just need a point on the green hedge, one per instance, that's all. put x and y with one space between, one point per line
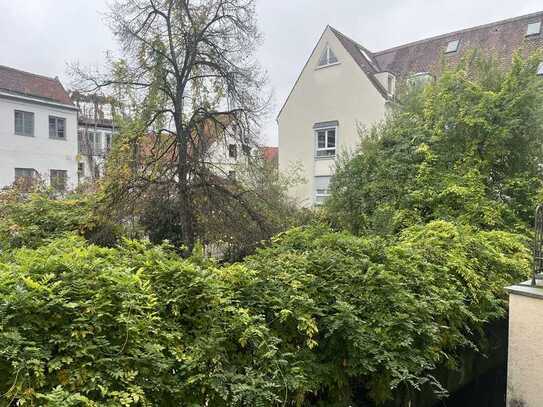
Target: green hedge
309 320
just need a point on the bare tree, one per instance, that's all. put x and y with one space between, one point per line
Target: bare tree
186 66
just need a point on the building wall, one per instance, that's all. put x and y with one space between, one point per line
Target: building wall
39 152
92 158
342 93
525 360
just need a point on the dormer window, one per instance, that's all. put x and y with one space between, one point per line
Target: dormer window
328 57
533 29
452 46
420 79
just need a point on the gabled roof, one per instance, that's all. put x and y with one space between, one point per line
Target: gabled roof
364 58
500 39
28 84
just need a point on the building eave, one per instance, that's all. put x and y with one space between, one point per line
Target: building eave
34 100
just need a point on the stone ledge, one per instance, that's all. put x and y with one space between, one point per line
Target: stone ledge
526 289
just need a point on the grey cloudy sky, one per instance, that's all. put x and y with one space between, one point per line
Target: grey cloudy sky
41 36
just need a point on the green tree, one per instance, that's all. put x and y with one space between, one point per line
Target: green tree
187 77
466 148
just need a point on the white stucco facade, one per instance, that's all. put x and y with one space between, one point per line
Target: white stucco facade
339 93
38 152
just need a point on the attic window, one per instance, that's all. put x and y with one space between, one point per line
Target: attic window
328 57
419 79
452 46
533 29
540 69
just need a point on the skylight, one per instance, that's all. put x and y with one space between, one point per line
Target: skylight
328 57
534 28
452 46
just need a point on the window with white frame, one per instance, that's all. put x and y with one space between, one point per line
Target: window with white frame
26 177
328 57
452 46
24 123
325 139
533 29
322 189
95 142
57 127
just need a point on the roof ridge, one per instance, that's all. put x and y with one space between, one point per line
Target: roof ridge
350 39
464 30
30 73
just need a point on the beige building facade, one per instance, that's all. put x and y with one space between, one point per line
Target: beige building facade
525 357
345 87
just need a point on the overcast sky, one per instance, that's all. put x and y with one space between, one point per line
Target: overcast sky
42 36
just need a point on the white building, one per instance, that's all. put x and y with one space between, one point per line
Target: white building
38 130
96 129
344 87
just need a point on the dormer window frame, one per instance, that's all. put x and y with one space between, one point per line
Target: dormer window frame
452 46
533 29
329 54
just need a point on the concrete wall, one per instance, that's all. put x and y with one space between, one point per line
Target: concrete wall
341 92
39 152
525 360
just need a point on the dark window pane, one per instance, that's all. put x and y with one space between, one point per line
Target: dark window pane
60 127
321 139
331 138
52 127
19 122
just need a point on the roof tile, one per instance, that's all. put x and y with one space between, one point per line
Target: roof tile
32 85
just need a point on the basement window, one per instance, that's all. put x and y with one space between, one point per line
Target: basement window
533 29
328 57
452 46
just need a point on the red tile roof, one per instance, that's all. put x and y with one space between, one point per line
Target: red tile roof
32 85
270 153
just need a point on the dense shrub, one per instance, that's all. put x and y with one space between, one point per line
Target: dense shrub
466 149
29 219
302 321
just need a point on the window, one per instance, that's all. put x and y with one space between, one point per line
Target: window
26 177
24 123
419 79
540 69
232 151
95 142
57 128
80 170
328 57
59 179
25 173
390 84
533 29
108 141
452 46
322 185
326 139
